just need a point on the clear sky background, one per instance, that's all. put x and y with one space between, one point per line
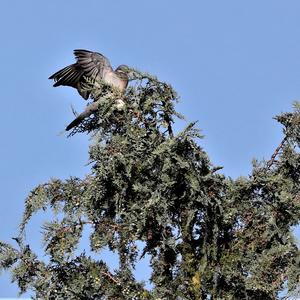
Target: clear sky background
235 64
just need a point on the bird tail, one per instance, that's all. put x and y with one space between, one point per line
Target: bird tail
75 122
90 109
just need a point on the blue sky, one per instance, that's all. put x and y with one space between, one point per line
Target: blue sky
235 64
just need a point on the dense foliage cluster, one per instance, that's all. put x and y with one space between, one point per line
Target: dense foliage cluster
208 236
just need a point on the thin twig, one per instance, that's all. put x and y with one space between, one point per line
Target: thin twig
271 161
110 277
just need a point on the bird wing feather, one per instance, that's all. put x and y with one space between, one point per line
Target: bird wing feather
92 65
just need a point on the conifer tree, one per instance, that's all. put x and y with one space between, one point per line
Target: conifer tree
208 236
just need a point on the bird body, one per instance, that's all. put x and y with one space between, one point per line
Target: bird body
96 68
92 66
116 79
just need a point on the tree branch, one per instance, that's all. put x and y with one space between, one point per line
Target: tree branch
271 161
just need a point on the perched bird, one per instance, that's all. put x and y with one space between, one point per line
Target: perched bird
93 66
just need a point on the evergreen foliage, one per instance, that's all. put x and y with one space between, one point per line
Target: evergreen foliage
208 236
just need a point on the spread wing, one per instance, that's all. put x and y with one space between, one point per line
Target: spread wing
90 64
93 64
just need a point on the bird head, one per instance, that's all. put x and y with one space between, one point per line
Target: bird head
125 70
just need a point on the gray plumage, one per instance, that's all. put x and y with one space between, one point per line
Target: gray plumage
93 66
86 113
